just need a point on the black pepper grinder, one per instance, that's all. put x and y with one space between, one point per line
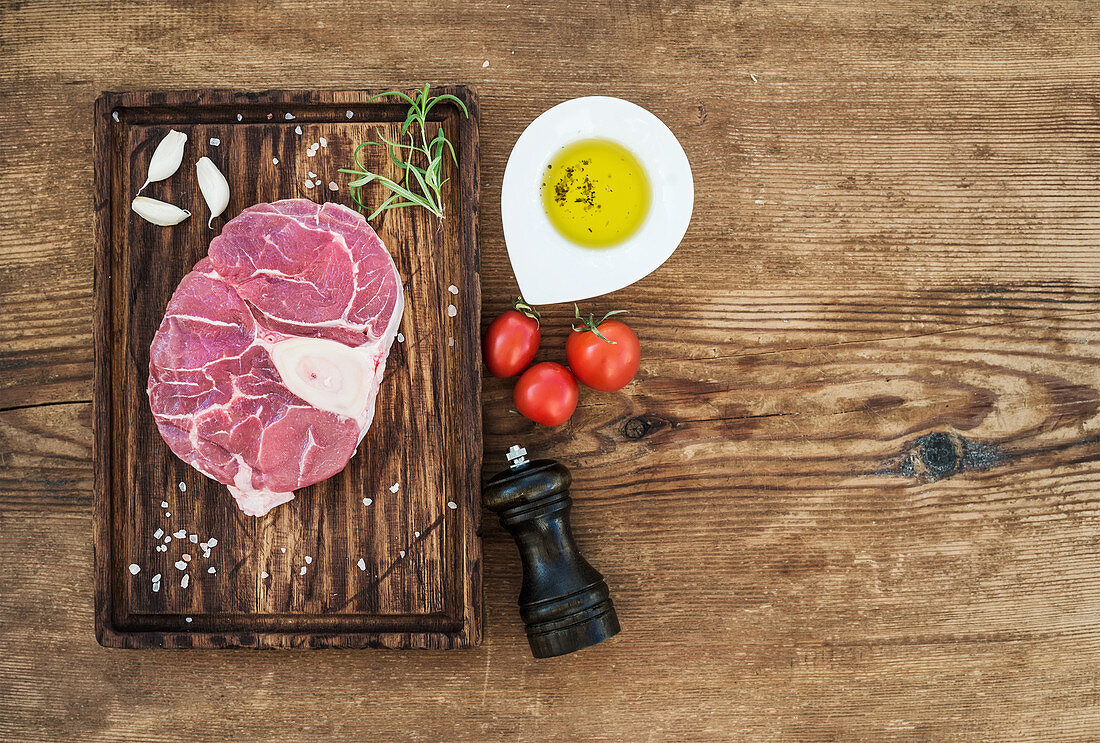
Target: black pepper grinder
565 603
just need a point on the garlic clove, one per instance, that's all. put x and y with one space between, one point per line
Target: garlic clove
158 212
214 187
166 157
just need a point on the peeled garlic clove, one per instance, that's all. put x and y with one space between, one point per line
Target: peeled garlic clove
214 187
166 157
158 212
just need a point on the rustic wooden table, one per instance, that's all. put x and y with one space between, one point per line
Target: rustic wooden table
852 495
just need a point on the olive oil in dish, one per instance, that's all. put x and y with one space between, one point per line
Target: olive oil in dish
595 193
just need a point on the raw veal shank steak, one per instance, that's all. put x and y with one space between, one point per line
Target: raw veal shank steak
264 372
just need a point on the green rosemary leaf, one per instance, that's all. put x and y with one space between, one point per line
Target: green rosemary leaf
444 141
447 97
391 143
420 179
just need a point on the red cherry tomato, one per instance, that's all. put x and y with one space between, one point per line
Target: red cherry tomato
606 363
512 340
546 393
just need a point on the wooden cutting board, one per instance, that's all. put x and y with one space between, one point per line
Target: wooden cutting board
292 578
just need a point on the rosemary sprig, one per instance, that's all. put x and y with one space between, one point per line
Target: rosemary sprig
425 187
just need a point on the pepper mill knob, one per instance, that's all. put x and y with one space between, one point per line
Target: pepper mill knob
564 602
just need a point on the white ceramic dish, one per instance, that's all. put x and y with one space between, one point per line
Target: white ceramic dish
552 269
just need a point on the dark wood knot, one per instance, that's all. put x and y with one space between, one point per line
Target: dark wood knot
940 454
636 428
643 425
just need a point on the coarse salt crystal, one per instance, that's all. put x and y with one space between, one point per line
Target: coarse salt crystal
402 553
450 341
367 501
186 557
167 514
271 116
289 117
180 565
213 542
193 538
312 174
297 130
212 570
114 115
283 549
206 552
332 186
302 571
183 487
240 117
317 182
311 153
416 534
203 546
349 114
452 289
484 64
156 588
188 620
185 581
451 310
309 184
265 575
164 504
134 568
274 161
452 505
308 559
362 564
180 534
156 578
168 539
214 142
158 534
400 337
323 142
395 487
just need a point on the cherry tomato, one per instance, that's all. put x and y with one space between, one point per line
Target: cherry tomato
604 363
512 340
546 393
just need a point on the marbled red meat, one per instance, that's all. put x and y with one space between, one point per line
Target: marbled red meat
264 372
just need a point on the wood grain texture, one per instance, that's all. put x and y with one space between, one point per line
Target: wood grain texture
895 235
331 568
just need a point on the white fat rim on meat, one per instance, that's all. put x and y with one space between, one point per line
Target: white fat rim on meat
251 501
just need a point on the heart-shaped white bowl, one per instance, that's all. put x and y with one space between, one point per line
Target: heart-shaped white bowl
552 269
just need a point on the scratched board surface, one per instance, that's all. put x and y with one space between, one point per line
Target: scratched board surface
385 553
